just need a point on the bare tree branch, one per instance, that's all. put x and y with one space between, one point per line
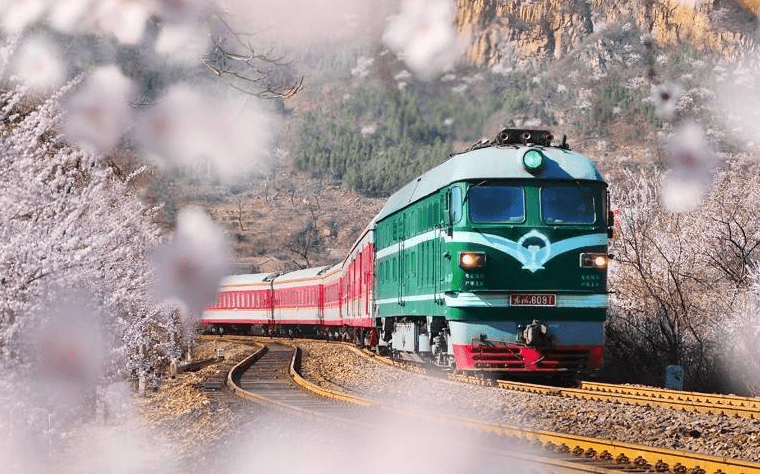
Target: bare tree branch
235 59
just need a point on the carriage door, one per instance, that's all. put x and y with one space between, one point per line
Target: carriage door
359 289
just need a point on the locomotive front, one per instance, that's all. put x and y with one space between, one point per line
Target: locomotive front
518 259
529 260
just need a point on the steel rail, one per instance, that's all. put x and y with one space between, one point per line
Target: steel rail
546 464
624 455
724 402
728 405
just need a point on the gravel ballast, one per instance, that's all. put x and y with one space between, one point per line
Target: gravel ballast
339 368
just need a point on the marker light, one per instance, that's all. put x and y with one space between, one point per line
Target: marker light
472 260
594 260
533 161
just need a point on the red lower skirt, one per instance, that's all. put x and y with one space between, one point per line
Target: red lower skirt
517 358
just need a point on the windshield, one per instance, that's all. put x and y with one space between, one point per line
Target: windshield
568 205
496 204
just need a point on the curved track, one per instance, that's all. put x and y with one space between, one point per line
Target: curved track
608 454
270 377
728 405
600 455
265 378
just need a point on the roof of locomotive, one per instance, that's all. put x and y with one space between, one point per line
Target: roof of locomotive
492 162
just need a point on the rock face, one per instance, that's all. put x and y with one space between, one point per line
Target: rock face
511 32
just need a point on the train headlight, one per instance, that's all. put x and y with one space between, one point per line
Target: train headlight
472 260
594 260
533 161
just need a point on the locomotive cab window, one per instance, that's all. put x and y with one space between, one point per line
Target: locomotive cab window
496 204
574 204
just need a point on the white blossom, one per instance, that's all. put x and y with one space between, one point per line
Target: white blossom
665 97
18 14
186 127
692 165
68 224
38 64
70 16
124 19
98 113
193 264
423 35
182 44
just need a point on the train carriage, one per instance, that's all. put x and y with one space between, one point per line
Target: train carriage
244 301
332 296
298 297
358 282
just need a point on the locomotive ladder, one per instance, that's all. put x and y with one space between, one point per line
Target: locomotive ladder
437 266
400 293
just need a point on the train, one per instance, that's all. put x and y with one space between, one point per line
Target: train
493 262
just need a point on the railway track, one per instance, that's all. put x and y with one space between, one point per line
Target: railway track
270 377
265 378
727 405
277 387
713 404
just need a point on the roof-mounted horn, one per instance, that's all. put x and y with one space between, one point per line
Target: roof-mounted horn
512 136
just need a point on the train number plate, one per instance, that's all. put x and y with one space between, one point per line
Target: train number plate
533 300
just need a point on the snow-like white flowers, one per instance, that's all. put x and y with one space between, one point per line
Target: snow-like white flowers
38 64
124 19
68 16
187 126
182 44
15 15
665 97
69 349
182 11
423 35
692 164
738 100
99 112
192 265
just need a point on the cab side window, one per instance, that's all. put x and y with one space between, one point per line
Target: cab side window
455 206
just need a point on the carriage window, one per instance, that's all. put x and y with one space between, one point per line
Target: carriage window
496 204
568 205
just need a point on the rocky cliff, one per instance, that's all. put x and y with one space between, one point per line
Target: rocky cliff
509 32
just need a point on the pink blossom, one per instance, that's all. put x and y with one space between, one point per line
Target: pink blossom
18 14
70 350
182 44
99 112
69 16
187 128
692 165
124 19
191 266
665 97
38 64
423 35
181 11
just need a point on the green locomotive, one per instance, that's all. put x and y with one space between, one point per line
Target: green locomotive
496 260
